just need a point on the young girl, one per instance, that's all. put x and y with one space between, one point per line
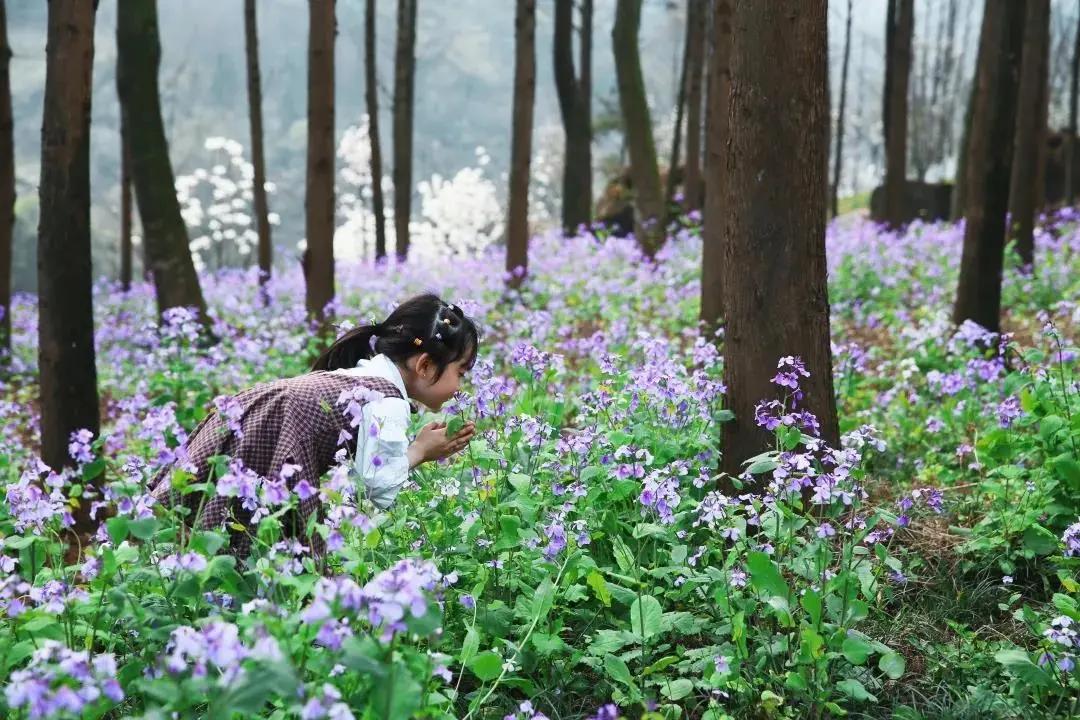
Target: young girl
355 400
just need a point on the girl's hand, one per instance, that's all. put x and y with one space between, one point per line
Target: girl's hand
432 442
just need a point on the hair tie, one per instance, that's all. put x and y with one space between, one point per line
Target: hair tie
417 342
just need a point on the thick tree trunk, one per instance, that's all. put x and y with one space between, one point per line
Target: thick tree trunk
125 208
319 201
960 189
517 224
371 96
989 164
648 195
834 204
404 83
7 187
717 133
1071 181
695 71
896 139
676 139
575 103
1029 157
68 376
258 157
164 233
886 87
773 277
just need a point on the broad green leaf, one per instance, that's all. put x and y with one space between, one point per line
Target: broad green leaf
892 664
609 641
487 665
677 689
855 690
1069 470
623 557
617 670
764 575
855 649
811 602
645 613
599 587
397 696
543 598
1019 665
469 646
144 529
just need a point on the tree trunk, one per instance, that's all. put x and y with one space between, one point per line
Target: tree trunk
164 233
676 139
989 164
258 158
319 201
517 224
1071 181
1029 158
834 203
960 189
886 88
7 187
696 60
773 274
371 96
404 82
68 376
717 134
575 101
648 195
125 207
896 139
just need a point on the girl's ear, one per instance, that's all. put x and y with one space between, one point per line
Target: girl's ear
424 365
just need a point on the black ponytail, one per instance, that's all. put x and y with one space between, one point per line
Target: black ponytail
423 323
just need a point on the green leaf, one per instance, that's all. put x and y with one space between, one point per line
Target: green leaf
645 614
855 649
487 665
542 600
144 529
1039 540
250 693
855 690
623 557
677 689
599 587
811 602
617 670
547 644
762 466
521 483
398 696
764 576
363 655
469 647
608 641
454 425
1019 665
207 542
1069 470
892 664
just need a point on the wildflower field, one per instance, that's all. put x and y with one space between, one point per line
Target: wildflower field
582 559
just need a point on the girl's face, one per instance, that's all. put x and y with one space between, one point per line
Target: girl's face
423 386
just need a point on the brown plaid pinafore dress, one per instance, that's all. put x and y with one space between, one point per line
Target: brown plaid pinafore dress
293 420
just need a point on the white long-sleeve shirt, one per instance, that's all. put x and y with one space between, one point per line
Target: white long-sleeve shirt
381 461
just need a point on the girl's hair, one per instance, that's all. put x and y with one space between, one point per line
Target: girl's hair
423 323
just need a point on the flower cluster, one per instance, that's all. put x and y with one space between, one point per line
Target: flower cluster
217 646
59 680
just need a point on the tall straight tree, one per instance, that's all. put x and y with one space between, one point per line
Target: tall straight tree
68 375
126 250
517 224
717 132
1071 181
319 200
989 164
695 68
404 84
637 124
834 191
575 107
896 137
7 186
371 97
676 140
1029 143
258 157
167 252
773 282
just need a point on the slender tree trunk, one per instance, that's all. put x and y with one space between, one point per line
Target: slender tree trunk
319 201
165 236
1071 181
258 158
517 224
773 275
834 203
648 195
886 88
575 102
125 208
68 375
960 189
404 83
1029 158
696 57
989 164
896 143
7 187
717 133
676 140
371 96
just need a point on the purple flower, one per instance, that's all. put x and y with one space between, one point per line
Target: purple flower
1071 540
1008 411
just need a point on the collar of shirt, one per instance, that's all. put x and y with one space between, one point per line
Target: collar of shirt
384 367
